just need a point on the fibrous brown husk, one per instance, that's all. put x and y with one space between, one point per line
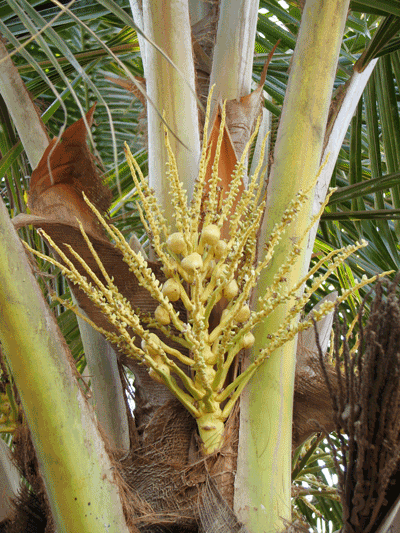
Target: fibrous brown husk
367 410
31 511
164 482
215 516
312 409
169 474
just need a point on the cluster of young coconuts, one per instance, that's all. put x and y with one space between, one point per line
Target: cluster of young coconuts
208 260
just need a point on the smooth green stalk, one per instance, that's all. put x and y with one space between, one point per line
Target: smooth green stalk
77 471
262 492
171 93
236 32
334 141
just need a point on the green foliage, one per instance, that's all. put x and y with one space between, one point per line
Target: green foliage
315 500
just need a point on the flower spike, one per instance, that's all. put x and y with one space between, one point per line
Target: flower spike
202 270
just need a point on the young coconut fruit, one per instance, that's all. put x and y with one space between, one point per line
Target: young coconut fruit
162 316
176 243
192 262
243 314
248 341
172 290
231 290
210 235
220 249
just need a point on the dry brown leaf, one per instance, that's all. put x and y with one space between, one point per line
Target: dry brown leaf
227 160
66 169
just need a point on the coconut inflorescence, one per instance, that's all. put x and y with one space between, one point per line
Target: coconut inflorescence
210 267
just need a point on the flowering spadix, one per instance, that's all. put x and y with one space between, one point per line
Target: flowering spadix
207 259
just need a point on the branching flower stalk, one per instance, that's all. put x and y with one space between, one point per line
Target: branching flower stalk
9 412
201 269
8 408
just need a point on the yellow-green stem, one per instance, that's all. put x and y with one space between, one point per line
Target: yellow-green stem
211 430
172 93
77 471
262 492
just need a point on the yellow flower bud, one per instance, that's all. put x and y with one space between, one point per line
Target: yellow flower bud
148 348
248 340
176 243
224 314
162 315
192 262
243 314
210 234
172 290
218 272
153 374
231 290
220 249
210 358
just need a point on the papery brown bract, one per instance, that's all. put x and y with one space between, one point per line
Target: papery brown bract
66 169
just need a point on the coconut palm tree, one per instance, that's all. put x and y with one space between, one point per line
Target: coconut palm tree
169 54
